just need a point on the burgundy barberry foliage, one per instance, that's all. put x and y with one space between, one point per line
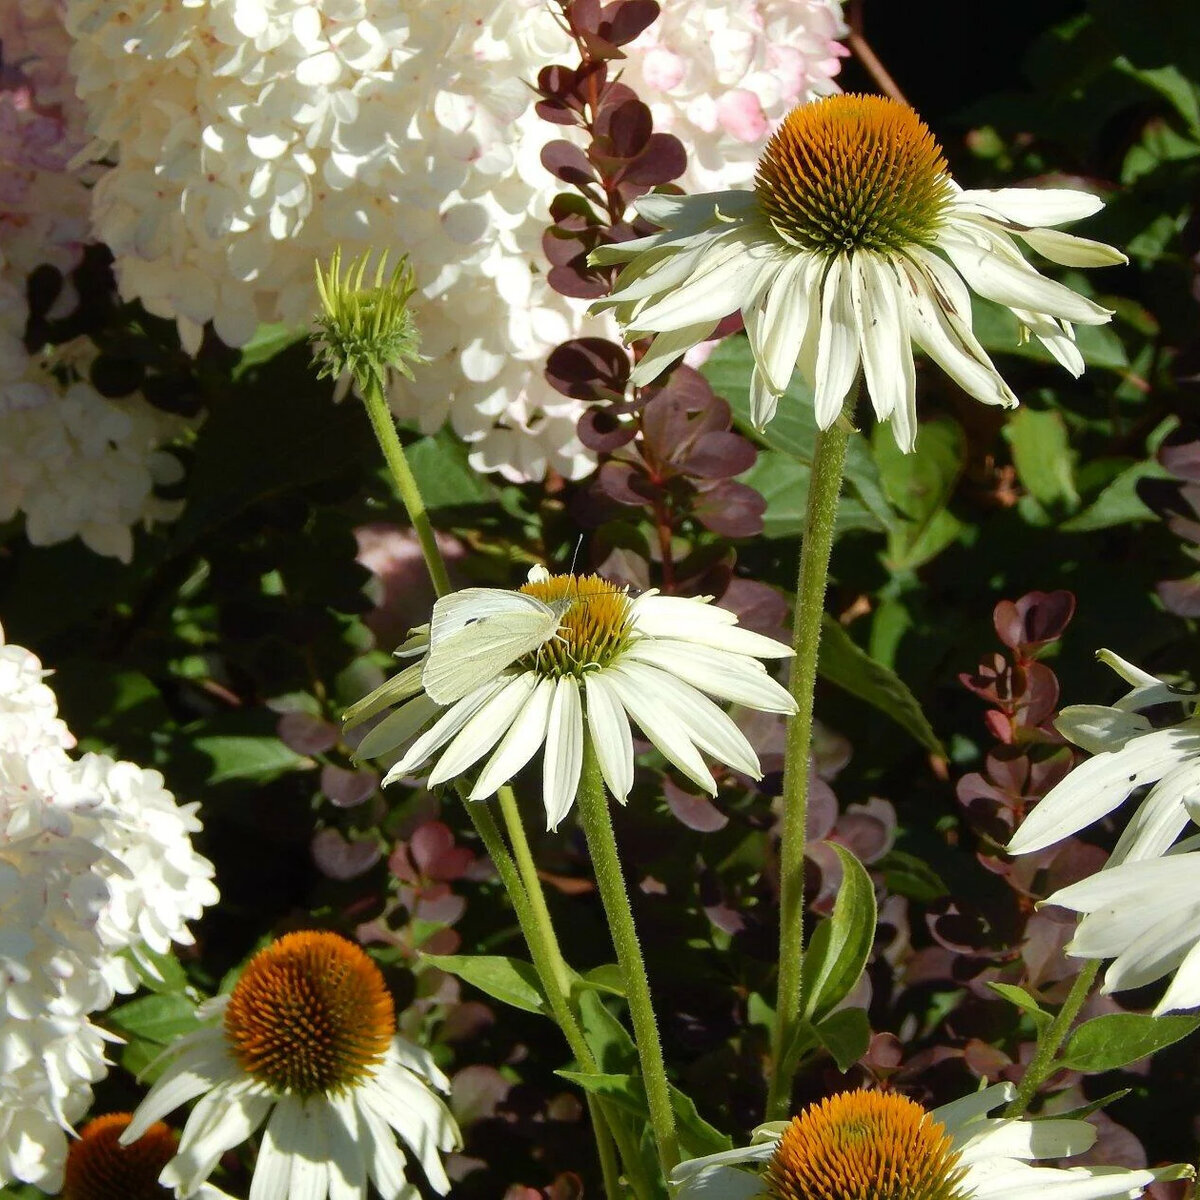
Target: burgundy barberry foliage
1177 502
667 453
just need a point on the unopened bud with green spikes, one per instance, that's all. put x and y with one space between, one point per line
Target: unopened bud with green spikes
365 328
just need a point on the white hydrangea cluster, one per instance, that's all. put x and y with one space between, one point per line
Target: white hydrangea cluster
96 860
73 462
253 136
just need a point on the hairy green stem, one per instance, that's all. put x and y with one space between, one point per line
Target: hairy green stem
596 820
824 489
1042 1065
406 484
548 961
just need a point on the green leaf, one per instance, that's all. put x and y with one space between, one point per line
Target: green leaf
846 1034
608 1038
625 1091
1024 1001
912 877
845 664
605 978
783 483
445 476
148 1024
243 745
1112 1041
696 1136
919 486
1118 503
841 943
1085 1110
506 979
158 972
793 429
1043 457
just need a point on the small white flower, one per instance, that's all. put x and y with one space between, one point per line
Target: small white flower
505 672
854 243
306 1043
882 1143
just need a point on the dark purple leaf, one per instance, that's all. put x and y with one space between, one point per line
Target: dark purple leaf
1033 620
601 430
625 484
435 854
306 734
1180 453
629 127
1180 596
579 282
663 159
758 606
696 812
630 19
340 859
588 368
567 162
719 455
557 112
731 509
347 789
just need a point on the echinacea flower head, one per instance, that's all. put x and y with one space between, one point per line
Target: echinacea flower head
306 1043
867 1145
854 243
501 673
365 327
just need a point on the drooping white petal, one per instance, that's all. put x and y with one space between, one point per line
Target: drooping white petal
1145 952
450 722
221 1119
418 1060
790 303
1093 789
396 728
1004 1179
348 1155
837 343
610 733
1156 885
1184 988
941 332
417 1115
665 348
999 273
669 271
1161 816
710 728
685 619
960 1116
1056 336
485 728
308 1146
204 1069
731 677
273 1167
1070 251
1098 727
662 729
763 401
1027 1140
884 338
563 759
519 744
1032 207
694 212
386 1166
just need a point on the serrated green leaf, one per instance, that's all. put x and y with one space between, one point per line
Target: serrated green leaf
841 943
508 980
846 1034
1116 1039
846 665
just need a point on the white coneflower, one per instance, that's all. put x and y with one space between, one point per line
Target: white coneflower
854 243
305 1042
887 1147
505 672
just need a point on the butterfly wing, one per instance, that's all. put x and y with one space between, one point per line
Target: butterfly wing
478 632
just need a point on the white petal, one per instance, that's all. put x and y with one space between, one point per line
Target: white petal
485 728
1155 884
697 210
451 721
564 751
349 1150
224 1118
273 1168
1097 727
202 1070
1003 1179
763 401
1033 206
1096 787
307 1142
837 343
665 348
887 356
417 1115
1070 251
778 333
1028 1140
999 274
1057 336
960 1115
396 728
730 676
418 1060
1184 990
692 621
667 735
1149 952
610 733
519 744
721 1183
387 1161
1161 816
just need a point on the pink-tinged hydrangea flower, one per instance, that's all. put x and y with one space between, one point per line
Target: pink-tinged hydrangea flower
254 136
96 861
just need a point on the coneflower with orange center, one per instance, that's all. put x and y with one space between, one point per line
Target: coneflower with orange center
854 243
869 1145
306 1043
100 1168
504 673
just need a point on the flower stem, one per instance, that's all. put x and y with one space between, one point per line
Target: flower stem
406 484
824 489
1042 1065
602 845
548 961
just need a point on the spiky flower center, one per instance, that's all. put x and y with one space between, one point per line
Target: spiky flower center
853 173
593 628
310 1015
865 1146
100 1168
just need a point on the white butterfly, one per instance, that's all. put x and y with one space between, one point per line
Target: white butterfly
477 632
